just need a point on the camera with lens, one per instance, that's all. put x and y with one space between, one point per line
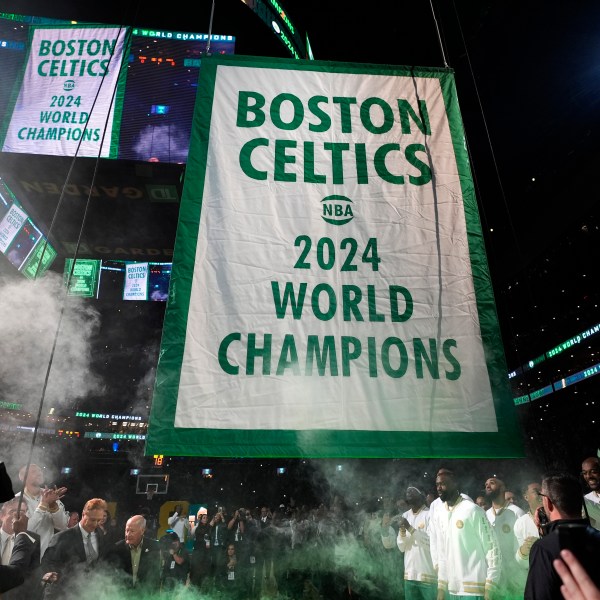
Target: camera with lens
543 521
242 514
167 540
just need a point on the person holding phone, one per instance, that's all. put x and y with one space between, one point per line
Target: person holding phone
562 501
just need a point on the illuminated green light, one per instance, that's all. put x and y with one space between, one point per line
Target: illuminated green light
541 392
573 341
10 405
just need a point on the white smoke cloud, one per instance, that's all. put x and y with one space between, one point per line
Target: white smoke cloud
31 313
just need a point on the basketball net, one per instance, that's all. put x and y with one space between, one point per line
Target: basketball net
149 494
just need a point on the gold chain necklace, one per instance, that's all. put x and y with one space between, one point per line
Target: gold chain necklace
456 503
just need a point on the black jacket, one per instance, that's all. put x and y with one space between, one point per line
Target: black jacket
26 554
23 566
543 582
148 575
66 556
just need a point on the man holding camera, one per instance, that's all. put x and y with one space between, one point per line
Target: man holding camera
176 562
562 503
219 538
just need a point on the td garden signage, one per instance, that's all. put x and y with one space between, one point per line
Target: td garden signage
330 294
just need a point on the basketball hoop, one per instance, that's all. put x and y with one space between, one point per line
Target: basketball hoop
151 485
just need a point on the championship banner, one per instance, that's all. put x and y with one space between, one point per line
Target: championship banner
136 281
330 294
10 225
70 97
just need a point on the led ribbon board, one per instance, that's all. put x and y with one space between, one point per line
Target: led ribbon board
330 294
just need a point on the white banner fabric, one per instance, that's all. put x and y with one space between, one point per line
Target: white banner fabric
66 103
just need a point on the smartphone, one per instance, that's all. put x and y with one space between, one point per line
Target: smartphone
573 537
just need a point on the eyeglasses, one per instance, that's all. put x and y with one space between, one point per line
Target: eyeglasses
545 495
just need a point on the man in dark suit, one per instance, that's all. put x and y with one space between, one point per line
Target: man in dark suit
137 557
75 551
20 549
19 575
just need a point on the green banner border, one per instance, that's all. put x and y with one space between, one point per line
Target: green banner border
164 438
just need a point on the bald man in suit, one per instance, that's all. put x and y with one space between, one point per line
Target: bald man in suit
137 557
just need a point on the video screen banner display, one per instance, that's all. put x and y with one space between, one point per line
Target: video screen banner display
330 294
117 279
21 241
151 116
70 99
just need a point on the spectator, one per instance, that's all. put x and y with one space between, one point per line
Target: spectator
562 502
240 535
179 523
46 511
219 538
107 528
200 567
176 567
73 519
229 581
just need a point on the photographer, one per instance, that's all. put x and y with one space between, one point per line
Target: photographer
219 538
201 555
237 524
176 566
562 503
